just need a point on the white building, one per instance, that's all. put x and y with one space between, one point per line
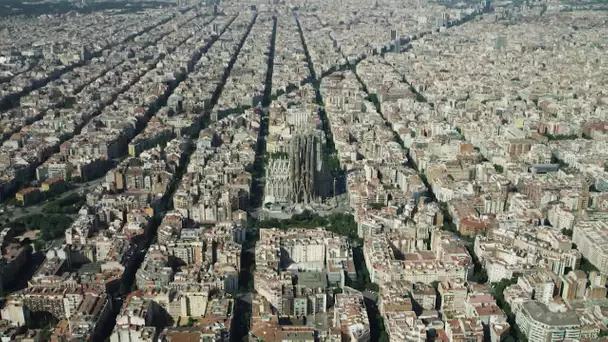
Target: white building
539 323
540 284
591 237
133 333
15 312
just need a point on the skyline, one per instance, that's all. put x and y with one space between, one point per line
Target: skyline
368 170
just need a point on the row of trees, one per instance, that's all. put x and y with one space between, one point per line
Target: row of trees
479 273
362 282
70 204
341 224
565 136
498 290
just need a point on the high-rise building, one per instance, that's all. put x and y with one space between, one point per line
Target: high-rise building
395 39
487 6
438 22
501 43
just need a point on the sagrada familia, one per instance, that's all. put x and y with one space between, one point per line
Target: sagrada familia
295 173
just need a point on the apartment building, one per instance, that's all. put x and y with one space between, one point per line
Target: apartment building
539 323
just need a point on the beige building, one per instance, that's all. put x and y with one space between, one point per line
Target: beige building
453 295
591 237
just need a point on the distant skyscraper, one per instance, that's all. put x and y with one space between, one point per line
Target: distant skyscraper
487 6
84 53
501 43
439 22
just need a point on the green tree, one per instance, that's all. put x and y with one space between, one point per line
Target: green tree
498 293
70 204
51 226
377 206
587 266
